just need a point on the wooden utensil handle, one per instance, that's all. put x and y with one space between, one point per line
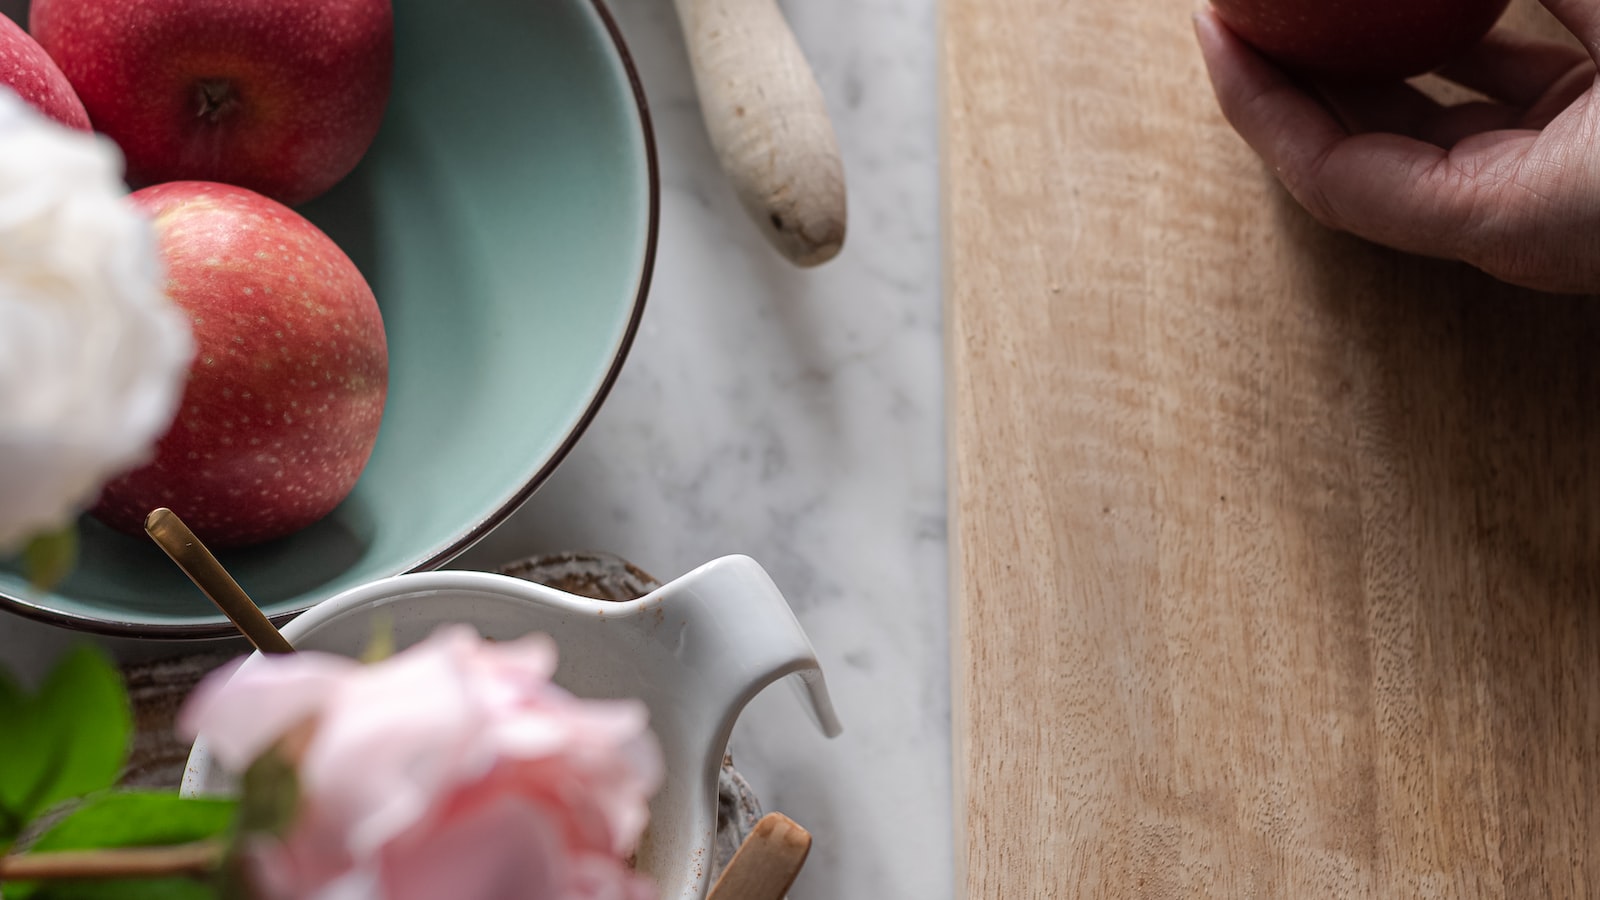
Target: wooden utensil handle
765 865
768 123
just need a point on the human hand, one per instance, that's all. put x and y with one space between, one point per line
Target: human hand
1510 184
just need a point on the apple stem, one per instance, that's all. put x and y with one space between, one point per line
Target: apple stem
217 98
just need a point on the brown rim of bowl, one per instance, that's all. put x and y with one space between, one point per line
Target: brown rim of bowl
224 629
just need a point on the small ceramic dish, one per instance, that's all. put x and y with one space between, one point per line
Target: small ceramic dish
695 651
506 218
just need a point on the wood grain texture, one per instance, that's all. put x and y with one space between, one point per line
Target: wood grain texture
1275 555
766 864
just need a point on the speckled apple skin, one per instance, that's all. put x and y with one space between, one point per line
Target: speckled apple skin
288 385
311 79
28 70
1360 41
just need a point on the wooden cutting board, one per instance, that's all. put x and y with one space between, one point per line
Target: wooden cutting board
1276 555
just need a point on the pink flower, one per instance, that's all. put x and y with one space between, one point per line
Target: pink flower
453 769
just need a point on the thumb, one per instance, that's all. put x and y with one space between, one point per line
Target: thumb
1582 18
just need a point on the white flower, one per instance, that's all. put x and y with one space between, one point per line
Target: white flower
92 354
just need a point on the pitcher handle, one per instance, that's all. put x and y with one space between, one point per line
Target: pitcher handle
729 615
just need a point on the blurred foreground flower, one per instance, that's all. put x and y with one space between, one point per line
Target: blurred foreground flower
453 769
92 354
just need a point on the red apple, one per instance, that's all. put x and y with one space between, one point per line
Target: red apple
290 374
28 70
279 96
1359 40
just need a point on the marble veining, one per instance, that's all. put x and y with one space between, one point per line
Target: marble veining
797 417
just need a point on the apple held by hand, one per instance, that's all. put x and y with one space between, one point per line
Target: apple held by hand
1360 40
288 385
28 70
279 96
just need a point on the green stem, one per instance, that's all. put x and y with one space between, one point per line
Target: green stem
195 859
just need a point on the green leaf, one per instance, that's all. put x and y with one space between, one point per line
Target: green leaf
48 559
85 703
69 740
138 819
130 819
126 889
19 757
269 794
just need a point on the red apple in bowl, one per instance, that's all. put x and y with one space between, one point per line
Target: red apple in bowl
289 379
279 96
28 70
1359 40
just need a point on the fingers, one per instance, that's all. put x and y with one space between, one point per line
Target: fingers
1389 107
1385 187
1514 68
1454 124
1403 109
1582 18
1284 124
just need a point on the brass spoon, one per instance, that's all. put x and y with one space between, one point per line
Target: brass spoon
174 537
766 863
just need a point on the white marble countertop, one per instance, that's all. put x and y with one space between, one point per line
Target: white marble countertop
797 417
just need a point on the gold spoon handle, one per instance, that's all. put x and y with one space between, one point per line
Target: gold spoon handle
766 863
174 537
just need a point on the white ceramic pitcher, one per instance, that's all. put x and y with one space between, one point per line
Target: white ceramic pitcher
695 651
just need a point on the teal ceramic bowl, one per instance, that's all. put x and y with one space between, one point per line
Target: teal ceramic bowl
506 218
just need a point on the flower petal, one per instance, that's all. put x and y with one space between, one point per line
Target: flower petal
241 710
504 849
398 735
